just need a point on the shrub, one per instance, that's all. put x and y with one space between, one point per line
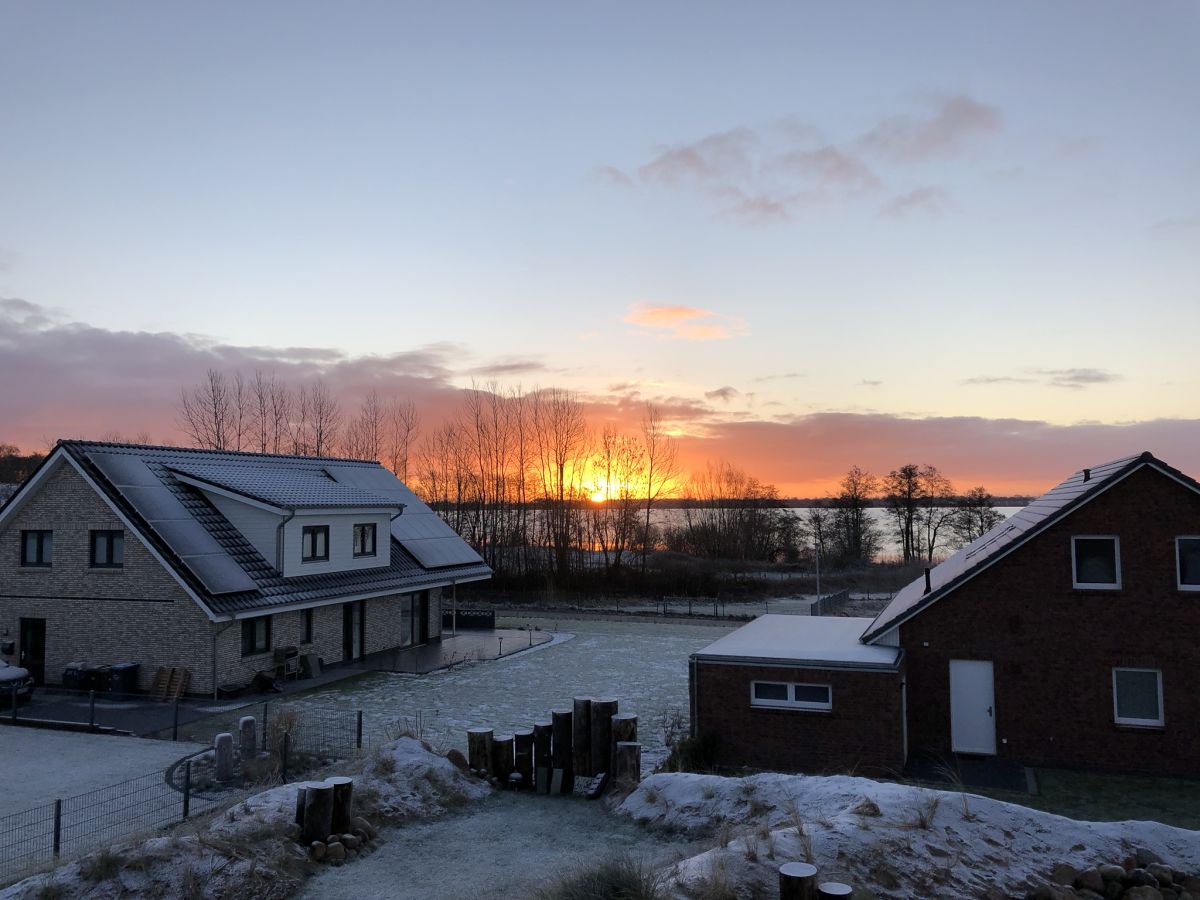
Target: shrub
624 878
693 754
101 866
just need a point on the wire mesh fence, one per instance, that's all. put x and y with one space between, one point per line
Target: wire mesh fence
289 741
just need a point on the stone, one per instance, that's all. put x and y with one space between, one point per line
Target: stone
1161 872
1113 889
223 747
1140 878
460 762
1111 872
1190 883
1091 880
1064 873
1086 894
1185 895
350 842
335 852
1142 892
351 853
361 823
1144 856
317 851
248 739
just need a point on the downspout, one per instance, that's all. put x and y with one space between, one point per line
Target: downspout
453 609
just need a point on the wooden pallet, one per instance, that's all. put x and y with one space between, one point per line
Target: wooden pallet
170 684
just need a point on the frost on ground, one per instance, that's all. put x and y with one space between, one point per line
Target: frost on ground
892 840
249 850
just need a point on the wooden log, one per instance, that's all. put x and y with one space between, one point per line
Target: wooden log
479 749
247 737
343 804
542 739
627 765
831 890
581 736
223 749
602 713
523 756
624 728
561 762
797 881
318 812
300 788
502 757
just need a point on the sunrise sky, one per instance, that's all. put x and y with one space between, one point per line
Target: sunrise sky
815 234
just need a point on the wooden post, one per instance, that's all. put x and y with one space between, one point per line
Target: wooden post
581 736
247 739
602 713
523 756
627 765
502 757
542 740
223 748
343 804
300 789
831 890
797 881
561 761
624 728
479 749
318 812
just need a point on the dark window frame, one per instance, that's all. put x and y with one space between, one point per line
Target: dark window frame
313 531
1179 555
43 538
365 529
306 626
109 538
1114 585
250 643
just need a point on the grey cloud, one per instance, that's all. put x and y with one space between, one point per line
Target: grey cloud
953 123
716 157
928 200
612 175
1073 379
830 167
506 367
1175 227
866 382
724 394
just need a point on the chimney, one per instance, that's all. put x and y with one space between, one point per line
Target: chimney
928 581
1087 474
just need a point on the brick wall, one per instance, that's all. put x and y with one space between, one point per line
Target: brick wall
1054 647
863 731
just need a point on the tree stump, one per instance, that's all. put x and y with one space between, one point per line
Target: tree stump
247 737
561 762
223 749
523 756
479 749
627 765
318 812
797 881
624 728
831 890
602 713
300 789
343 804
581 736
542 740
502 757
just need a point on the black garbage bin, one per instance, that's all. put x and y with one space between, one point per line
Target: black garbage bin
73 677
123 678
94 678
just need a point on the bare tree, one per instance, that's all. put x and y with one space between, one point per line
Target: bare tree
903 493
661 466
206 412
976 516
561 441
403 427
937 514
315 425
270 406
363 437
855 537
618 469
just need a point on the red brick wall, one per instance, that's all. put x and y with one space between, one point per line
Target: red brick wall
1054 647
863 731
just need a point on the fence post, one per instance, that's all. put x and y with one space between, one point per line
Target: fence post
92 709
175 723
283 756
13 702
358 738
264 725
187 788
57 827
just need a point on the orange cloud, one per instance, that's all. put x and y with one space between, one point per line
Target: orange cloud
686 323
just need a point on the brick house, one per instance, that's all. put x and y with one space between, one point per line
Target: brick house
1066 636
210 560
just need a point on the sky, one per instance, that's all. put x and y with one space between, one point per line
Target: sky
816 235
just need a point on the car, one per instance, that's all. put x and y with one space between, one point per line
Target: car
14 677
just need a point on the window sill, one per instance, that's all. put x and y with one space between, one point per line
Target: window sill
315 559
1128 726
790 709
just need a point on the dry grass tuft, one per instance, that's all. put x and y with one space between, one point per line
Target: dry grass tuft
866 807
101 865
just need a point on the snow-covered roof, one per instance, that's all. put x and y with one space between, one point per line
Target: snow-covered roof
822 641
1039 515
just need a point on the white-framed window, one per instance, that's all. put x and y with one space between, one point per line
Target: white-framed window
314 543
1138 697
1096 562
1187 562
364 539
787 695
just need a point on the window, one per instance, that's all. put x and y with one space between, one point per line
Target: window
1097 562
256 635
314 543
306 633
1187 557
791 696
364 539
108 549
37 548
1137 697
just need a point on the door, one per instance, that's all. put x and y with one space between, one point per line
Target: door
972 706
353 630
33 648
422 629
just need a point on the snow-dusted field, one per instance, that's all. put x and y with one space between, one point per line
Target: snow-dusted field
40 766
644 665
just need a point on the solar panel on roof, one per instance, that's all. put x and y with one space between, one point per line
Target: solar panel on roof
434 543
218 573
125 470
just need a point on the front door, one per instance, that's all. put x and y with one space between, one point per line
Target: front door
972 706
33 648
353 630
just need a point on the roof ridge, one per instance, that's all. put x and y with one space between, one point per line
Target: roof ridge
88 444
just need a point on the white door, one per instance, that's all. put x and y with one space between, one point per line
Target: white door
972 706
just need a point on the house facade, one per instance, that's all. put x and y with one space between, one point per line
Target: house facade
210 561
1066 636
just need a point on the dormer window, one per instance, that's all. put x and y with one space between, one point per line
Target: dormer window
108 549
314 543
1097 562
1187 555
364 539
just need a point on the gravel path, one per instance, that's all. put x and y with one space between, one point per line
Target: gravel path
508 846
